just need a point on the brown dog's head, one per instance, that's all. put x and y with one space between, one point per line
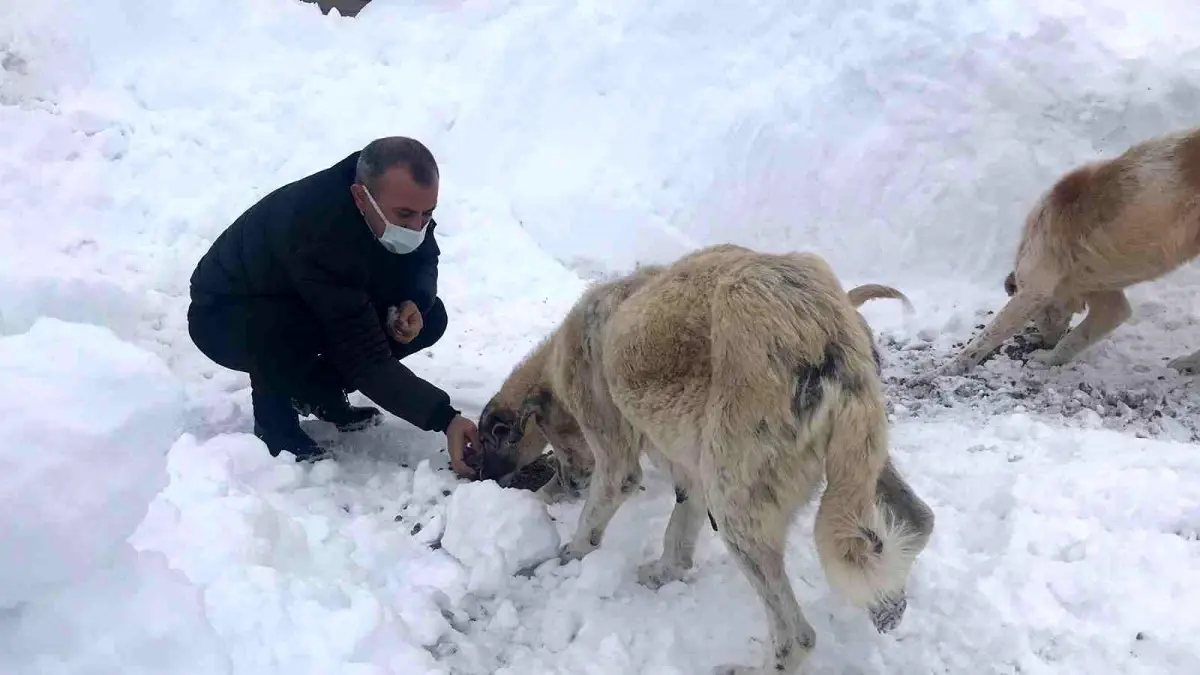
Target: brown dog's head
509 435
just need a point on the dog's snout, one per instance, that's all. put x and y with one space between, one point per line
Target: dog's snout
496 466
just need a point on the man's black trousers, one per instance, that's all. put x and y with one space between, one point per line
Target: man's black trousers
279 343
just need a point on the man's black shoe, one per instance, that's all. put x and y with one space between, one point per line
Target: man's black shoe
299 444
276 425
341 414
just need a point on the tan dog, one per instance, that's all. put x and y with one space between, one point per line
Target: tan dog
1101 228
750 377
508 419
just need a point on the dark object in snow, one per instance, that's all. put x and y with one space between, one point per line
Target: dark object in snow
532 476
1016 348
344 7
535 474
1022 345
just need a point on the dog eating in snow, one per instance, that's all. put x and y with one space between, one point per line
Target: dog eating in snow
751 378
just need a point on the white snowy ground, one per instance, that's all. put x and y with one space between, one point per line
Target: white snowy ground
903 140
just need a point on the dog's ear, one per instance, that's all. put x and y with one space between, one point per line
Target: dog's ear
534 407
1010 284
495 425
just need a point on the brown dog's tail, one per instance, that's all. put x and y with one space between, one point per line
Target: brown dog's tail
860 294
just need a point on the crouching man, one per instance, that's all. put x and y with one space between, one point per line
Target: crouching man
321 287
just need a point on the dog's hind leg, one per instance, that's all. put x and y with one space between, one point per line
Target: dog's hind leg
615 476
753 521
679 539
1106 311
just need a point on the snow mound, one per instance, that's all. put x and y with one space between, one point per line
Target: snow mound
136 617
83 438
27 297
495 531
303 569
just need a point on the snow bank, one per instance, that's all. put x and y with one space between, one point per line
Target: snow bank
496 531
134 617
307 568
86 424
897 138
28 295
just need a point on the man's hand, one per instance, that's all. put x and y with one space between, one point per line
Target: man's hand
406 324
460 432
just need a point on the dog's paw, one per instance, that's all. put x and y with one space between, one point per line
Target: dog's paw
571 552
657 574
1047 357
960 365
923 379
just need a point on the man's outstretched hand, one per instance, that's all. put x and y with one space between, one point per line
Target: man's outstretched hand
407 323
461 432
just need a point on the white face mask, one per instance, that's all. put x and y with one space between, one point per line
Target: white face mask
398 240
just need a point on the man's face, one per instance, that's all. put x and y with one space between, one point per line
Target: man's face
404 202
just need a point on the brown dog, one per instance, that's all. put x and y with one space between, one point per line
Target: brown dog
1101 228
750 378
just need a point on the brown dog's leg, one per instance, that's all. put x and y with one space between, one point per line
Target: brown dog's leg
1019 310
1106 311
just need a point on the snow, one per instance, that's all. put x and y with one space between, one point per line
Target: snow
134 616
87 423
496 532
902 139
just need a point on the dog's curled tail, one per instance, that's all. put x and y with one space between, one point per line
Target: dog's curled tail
860 294
865 551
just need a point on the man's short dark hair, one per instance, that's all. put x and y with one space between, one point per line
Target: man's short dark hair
385 153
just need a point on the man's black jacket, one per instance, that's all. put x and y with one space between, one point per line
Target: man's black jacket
307 240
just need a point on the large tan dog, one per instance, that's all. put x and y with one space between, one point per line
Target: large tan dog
1101 228
508 418
750 377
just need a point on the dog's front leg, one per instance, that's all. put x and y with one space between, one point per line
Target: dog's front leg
554 491
615 476
1106 311
1019 310
679 540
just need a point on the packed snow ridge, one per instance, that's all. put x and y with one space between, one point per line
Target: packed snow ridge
145 530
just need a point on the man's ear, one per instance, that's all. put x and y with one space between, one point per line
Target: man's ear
360 199
358 192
